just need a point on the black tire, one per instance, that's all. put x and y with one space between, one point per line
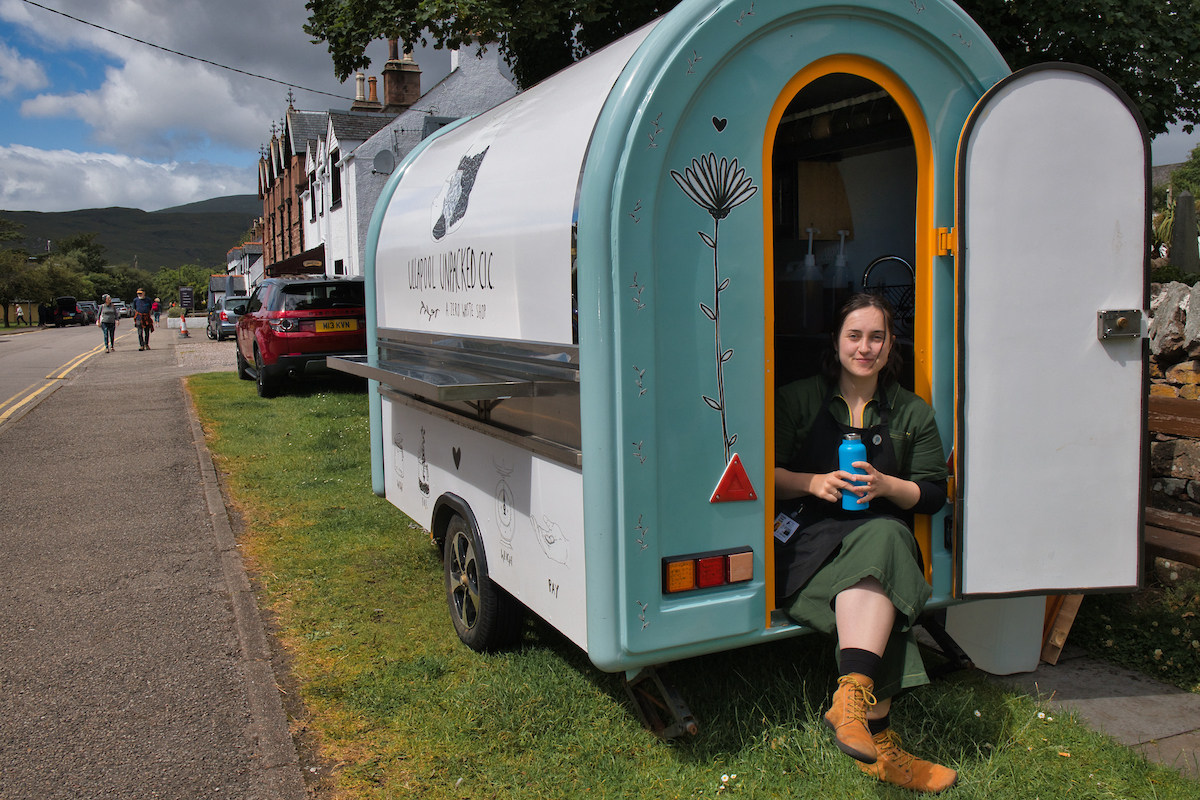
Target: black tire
266 386
243 366
212 335
485 617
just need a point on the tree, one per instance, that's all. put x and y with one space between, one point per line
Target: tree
1151 48
167 282
10 231
84 247
537 37
17 280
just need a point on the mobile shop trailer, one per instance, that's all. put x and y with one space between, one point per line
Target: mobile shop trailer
581 302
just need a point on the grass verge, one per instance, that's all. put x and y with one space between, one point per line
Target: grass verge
403 709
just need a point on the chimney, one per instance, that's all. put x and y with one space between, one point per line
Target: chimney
401 81
361 103
374 97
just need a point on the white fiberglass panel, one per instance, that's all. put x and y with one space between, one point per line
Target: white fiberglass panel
1052 230
477 238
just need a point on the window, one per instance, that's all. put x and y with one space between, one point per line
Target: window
312 195
316 296
335 180
339 268
255 301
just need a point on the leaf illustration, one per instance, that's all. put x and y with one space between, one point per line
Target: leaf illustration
728 354
707 239
708 312
713 404
732 440
724 284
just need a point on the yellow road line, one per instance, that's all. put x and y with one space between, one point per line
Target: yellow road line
18 395
4 417
74 362
24 397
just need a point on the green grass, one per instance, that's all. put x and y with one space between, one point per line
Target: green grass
1156 631
402 709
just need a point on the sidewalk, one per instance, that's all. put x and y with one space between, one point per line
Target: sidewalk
135 663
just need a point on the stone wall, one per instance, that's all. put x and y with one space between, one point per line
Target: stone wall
1174 372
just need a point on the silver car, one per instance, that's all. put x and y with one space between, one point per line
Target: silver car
222 319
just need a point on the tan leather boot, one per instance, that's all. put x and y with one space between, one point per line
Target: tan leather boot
848 717
904 769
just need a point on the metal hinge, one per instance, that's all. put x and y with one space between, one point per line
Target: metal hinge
947 241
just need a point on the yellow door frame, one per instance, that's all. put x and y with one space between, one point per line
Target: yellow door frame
926 242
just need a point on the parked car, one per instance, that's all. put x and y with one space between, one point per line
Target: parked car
288 326
122 309
222 319
90 309
66 311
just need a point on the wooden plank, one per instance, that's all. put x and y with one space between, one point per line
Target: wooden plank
1063 620
1175 416
1173 521
1172 545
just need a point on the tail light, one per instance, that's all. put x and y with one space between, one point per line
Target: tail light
224 317
707 570
285 325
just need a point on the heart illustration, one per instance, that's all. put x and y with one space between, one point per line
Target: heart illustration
720 123
457 456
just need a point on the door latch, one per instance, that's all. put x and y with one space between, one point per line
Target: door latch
1124 324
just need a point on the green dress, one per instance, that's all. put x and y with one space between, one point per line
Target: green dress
884 547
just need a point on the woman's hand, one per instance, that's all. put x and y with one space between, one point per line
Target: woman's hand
831 485
876 485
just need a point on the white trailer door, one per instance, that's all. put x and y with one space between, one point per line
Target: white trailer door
1052 228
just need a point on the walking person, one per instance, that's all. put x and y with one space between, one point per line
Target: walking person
21 315
142 319
157 309
107 318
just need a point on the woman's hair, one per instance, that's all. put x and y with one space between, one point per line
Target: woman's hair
831 367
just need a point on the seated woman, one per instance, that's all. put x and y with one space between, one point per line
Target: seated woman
858 574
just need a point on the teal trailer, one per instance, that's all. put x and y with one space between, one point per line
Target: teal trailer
582 302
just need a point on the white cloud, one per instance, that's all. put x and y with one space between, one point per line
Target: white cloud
18 72
149 105
63 180
155 107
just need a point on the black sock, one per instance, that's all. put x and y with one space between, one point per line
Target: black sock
864 662
877 726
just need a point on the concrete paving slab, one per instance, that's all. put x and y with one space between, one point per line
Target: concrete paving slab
1157 719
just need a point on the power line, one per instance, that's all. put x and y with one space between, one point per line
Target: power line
177 53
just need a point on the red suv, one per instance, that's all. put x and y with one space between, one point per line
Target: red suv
289 325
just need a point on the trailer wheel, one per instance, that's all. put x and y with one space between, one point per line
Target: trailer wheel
485 616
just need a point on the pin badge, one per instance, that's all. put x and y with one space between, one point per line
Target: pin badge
878 440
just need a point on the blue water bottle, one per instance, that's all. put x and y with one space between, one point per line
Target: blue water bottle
852 449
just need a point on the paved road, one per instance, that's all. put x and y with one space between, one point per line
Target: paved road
35 362
132 660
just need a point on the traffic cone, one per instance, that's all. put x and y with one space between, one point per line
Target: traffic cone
183 331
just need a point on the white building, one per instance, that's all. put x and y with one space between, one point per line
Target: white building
343 184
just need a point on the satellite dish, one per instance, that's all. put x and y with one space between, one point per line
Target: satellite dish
385 162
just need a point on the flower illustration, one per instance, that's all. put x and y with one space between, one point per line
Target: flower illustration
718 187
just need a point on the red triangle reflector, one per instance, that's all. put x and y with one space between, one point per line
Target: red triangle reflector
734 484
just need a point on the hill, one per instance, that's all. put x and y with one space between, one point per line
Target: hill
234 203
197 233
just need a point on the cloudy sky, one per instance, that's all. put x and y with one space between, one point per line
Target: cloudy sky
89 119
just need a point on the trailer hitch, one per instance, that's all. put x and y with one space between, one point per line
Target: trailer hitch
640 685
934 623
